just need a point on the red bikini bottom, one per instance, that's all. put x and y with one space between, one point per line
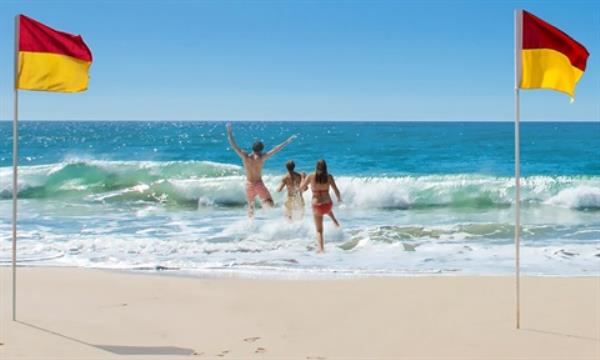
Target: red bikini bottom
323 208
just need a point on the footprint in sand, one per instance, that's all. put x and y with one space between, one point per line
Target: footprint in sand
197 353
251 339
260 350
223 353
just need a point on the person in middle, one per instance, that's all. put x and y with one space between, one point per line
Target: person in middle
294 204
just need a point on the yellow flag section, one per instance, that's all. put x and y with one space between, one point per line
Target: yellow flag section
550 58
51 60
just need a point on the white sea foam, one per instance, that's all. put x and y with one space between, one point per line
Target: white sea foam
120 215
580 197
227 241
208 184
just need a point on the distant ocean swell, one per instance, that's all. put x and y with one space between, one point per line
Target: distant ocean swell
209 184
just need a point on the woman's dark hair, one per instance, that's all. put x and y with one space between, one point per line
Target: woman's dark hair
258 146
321 175
290 165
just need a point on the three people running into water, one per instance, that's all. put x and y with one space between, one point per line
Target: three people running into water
320 182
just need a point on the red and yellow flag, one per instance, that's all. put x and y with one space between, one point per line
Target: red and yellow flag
51 60
551 59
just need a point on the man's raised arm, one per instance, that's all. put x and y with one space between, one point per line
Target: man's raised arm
241 153
278 148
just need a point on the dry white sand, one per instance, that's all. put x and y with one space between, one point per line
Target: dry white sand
93 314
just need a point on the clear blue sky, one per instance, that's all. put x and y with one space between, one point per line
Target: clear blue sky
301 60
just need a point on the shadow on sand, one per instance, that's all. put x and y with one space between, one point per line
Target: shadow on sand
120 349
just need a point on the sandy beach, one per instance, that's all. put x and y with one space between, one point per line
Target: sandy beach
70 313
311 180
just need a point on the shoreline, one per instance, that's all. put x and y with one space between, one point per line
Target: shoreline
292 274
100 314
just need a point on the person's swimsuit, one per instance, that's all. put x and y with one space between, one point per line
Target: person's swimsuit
294 203
257 188
322 208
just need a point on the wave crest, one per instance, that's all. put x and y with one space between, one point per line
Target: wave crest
209 184
580 197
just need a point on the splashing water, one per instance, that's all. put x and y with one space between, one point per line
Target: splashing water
171 196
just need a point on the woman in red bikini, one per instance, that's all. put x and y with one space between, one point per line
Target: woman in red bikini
320 182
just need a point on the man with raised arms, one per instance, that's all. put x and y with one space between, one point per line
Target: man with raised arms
253 165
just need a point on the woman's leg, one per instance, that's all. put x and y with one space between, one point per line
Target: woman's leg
287 205
333 218
319 227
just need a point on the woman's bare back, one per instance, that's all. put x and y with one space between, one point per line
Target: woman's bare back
320 191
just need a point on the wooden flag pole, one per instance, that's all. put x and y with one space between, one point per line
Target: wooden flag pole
15 166
518 60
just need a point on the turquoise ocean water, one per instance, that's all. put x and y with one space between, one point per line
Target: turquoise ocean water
419 198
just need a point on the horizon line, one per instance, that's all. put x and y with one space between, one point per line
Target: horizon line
290 120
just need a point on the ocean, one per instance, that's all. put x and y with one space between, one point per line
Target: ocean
419 198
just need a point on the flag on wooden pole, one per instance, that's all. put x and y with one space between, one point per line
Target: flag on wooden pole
551 59
51 60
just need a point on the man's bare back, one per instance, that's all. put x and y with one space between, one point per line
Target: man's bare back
253 164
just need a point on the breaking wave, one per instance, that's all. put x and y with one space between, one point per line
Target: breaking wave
210 184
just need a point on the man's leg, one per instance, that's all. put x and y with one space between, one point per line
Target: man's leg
250 195
263 193
251 209
268 203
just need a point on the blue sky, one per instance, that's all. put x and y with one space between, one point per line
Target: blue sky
301 60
